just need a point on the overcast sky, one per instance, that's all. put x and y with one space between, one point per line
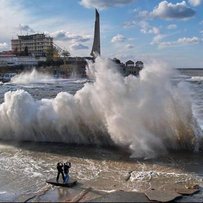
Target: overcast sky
130 29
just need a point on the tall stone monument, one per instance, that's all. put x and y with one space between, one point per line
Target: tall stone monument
96 50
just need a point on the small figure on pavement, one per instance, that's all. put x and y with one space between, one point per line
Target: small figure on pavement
66 168
60 171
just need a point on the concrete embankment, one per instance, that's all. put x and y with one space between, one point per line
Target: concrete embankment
82 193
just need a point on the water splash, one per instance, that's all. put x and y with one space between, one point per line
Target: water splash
32 76
196 78
147 114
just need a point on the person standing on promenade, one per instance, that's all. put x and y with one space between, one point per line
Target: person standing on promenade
60 171
66 168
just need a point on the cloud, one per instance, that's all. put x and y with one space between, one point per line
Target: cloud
25 28
103 4
129 46
12 14
118 38
172 26
146 28
195 2
66 36
187 40
130 24
3 45
179 42
142 14
166 10
77 46
158 39
73 41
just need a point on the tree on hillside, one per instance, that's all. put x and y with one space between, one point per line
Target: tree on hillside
26 53
52 54
65 54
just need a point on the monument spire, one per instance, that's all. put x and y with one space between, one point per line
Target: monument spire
96 43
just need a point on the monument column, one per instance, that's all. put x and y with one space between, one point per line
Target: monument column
96 50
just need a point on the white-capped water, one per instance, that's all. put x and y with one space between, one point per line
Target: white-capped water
32 77
147 115
196 78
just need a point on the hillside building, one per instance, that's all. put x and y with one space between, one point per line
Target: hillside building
35 45
130 67
133 68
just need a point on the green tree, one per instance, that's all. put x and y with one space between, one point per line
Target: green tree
50 54
26 53
65 54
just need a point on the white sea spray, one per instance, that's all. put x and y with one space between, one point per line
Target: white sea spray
147 115
32 76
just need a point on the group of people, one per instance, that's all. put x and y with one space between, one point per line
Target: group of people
63 169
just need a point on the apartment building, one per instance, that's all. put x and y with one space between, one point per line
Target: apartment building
35 44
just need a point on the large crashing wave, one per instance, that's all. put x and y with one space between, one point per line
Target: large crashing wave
146 114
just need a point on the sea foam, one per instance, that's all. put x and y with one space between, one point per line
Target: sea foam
148 115
31 77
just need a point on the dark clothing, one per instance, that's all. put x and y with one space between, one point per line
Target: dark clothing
60 167
66 167
60 171
57 178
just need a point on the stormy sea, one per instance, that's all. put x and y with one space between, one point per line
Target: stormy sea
120 133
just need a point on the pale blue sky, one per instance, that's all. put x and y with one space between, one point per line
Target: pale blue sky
130 29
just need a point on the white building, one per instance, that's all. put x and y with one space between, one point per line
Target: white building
35 45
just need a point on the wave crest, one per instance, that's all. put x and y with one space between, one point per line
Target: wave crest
31 77
146 114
